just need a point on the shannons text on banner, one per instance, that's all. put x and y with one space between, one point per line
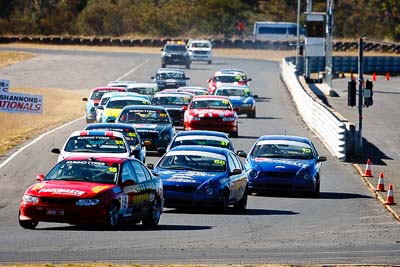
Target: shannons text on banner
21 103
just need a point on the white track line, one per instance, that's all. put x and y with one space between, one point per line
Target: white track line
35 140
132 70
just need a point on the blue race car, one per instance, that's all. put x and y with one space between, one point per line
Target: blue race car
284 163
130 134
241 98
203 176
170 78
152 123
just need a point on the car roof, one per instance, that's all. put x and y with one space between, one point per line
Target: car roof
102 159
160 70
121 82
106 125
193 87
122 89
202 132
95 133
212 149
285 137
169 94
129 97
145 107
204 97
138 85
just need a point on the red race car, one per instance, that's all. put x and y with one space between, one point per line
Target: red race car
211 112
102 190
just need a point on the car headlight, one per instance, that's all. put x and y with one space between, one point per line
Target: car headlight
30 199
247 105
306 177
87 202
228 119
253 174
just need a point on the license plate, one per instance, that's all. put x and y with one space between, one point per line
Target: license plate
55 212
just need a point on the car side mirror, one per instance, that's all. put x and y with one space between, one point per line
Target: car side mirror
321 158
162 49
209 80
187 78
249 79
84 99
128 182
184 108
152 77
255 96
241 153
56 151
236 171
150 166
39 177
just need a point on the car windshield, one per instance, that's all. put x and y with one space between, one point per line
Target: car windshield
194 160
211 104
282 149
144 116
120 104
233 92
170 75
202 140
226 79
96 95
171 100
84 170
170 48
200 45
143 90
96 144
129 133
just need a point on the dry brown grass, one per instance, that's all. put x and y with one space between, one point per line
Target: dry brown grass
8 58
60 106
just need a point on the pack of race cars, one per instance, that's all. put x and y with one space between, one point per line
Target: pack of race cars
101 178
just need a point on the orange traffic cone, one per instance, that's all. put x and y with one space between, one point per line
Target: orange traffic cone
390 198
374 77
368 172
387 76
381 184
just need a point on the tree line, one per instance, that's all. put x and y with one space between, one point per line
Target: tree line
379 19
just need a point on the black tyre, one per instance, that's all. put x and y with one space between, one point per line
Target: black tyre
112 220
251 114
242 203
163 65
28 224
188 66
154 215
235 134
224 204
317 190
209 62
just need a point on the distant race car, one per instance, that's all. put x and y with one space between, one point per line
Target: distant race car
132 137
94 100
210 112
123 84
175 53
169 78
96 143
174 103
284 163
196 90
93 190
147 89
227 77
203 176
116 103
200 50
241 98
153 124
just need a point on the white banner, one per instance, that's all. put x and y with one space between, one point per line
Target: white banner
4 86
21 103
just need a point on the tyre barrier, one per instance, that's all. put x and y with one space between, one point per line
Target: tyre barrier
217 43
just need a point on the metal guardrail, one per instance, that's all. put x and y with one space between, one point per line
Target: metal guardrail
328 126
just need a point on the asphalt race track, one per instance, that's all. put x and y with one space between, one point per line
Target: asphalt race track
345 225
